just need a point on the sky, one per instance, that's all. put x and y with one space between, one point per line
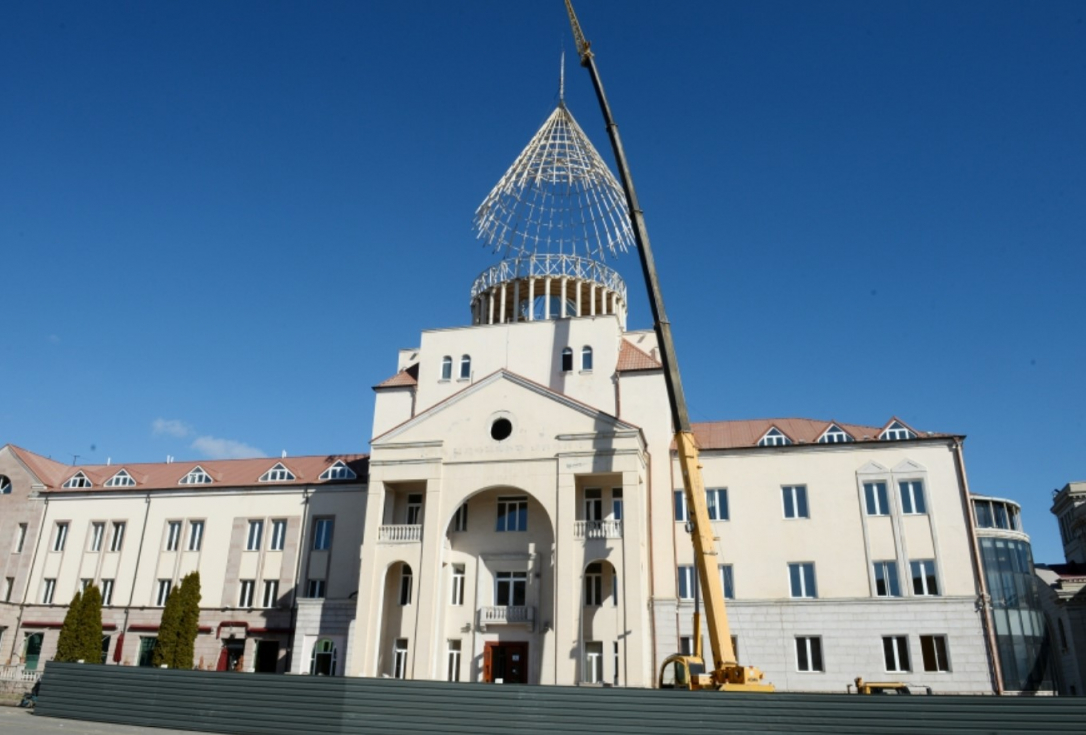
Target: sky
220 221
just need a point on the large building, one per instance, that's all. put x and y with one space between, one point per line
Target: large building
1063 589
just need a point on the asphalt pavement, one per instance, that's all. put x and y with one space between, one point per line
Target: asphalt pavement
16 721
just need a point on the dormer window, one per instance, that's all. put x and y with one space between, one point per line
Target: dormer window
834 435
339 471
586 358
897 431
465 367
197 477
567 360
78 480
446 367
278 473
121 479
774 438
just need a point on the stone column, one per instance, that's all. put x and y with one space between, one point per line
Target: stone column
547 298
531 299
563 297
490 305
505 289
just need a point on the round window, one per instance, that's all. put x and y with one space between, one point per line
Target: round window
501 429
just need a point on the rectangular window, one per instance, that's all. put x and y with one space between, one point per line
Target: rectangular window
680 506
510 588
9 586
933 651
245 599
687 580
878 503
84 584
1001 520
983 512
107 592
173 535
405 585
414 509
895 649
727 581
614 647
256 533
196 535
278 535
593 585
457 585
60 537
315 589
616 504
163 592
460 518
399 659
593 504
924 582
593 662
809 653
795 501
20 538
912 498
98 530
801 577
48 588
686 645
271 592
322 534
886 584
147 650
513 513
116 538
453 668
717 500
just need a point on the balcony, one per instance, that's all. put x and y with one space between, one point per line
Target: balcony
507 615
597 529
401 533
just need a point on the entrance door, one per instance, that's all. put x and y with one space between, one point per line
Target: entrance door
267 657
505 663
33 651
230 656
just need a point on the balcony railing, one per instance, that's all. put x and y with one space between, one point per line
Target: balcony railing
598 529
401 533
507 615
18 673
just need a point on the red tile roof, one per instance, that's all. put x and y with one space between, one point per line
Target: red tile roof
733 434
632 359
406 377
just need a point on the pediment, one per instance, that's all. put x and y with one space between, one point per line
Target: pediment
909 466
872 468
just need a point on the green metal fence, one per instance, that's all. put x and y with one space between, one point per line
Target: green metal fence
269 704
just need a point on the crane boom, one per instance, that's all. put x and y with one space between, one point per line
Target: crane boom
726 670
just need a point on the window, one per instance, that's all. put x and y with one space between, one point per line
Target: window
245 599
897 431
20 538
834 435
49 586
116 538
9 587
84 584
5 485
933 652
1063 635
322 661
196 535
687 580
446 368
163 592
510 588
315 589
567 360
322 534
98 530
774 438
271 592
727 580
278 473
895 650
121 479
616 504
809 653
256 533
405 585
278 534
717 500
886 584
460 518
399 659
513 513
593 504
107 592
414 509
586 358
924 577
339 471
457 585
60 536
196 477
593 585
147 650
686 645
878 504
465 367
795 501
801 577
453 667
614 587
912 498
614 647
173 535
78 480
593 662
680 506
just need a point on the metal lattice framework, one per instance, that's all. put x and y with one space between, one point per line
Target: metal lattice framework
549 266
558 197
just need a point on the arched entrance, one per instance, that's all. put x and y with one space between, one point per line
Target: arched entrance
32 651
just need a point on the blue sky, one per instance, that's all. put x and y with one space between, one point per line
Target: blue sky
219 221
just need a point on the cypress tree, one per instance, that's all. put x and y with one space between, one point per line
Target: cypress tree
168 629
68 641
189 623
90 626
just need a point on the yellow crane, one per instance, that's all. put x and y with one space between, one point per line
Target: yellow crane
678 671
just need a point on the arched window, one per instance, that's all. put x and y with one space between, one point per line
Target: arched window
5 485
567 360
405 585
323 660
586 358
446 368
465 367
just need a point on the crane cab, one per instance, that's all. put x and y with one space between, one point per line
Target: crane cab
685 672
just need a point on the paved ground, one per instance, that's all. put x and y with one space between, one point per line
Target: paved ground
15 721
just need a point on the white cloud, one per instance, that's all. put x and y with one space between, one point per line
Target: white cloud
170 427
215 448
